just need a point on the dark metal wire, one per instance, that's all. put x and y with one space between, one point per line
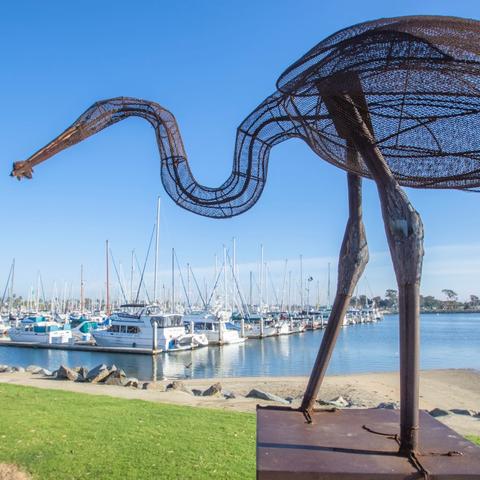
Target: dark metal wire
420 77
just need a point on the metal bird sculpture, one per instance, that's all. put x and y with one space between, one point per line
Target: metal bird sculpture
396 100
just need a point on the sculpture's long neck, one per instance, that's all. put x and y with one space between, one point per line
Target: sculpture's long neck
258 133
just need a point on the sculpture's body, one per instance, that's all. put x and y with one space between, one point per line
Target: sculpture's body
396 100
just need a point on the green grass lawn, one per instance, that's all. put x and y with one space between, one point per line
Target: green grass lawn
55 435
474 439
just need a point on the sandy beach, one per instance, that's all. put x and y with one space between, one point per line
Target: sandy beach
443 389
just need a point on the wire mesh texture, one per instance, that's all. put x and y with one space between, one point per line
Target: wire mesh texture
419 80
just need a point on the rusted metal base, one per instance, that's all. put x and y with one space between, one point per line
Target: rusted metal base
338 446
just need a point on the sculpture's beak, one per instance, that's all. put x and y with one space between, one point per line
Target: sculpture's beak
21 170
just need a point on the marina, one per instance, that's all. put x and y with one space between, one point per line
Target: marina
448 341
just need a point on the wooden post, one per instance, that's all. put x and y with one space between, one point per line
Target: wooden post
262 326
154 337
242 327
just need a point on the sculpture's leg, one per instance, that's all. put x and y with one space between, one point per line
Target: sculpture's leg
352 262
404 231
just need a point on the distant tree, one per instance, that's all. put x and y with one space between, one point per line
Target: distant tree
429 302
392 297
474 300
450 294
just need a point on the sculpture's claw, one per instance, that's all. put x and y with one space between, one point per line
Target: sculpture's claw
22 170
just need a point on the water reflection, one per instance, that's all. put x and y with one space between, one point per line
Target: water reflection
448 341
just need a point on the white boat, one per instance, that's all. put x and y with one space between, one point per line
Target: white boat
216 328
4 325
134 327
39 330
260 327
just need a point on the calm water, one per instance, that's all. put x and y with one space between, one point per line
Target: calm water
448 341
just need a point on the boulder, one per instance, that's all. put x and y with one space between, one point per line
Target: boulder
339 402
179 386
18 369
115 375
463 411
82 374
46 372
228 394
65 373
255 393
159 387
214 390
117 381
94 372
131 382
5 369
389 405
438 412
33 369
197 392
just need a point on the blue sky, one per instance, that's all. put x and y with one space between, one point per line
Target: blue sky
210 63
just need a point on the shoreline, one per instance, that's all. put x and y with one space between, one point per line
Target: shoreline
443 389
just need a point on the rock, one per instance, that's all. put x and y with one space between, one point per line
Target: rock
289 399
46 372
33 369
94 372
115 375
228 395
82 374
118 381
65 373
214 390
197 392
178 385
5 369
255 393
438 412
101 377
463 411
340 402
159 387
131 382
18 369
389 405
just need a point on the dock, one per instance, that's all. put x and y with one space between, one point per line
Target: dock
80 347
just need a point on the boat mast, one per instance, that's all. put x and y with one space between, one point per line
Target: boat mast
107 306
251 285
328 288
173 280
82 298
10 302
289 291
157 244
301 283
131 277
260 303
234 270
225 287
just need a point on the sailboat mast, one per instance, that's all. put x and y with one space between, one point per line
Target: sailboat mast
157 245
260 303
107 306
328 288
301 282
131 277
173 280
10 303
82 297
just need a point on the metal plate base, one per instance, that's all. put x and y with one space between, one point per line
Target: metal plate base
337 446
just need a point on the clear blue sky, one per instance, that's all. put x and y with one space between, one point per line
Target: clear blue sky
210 63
